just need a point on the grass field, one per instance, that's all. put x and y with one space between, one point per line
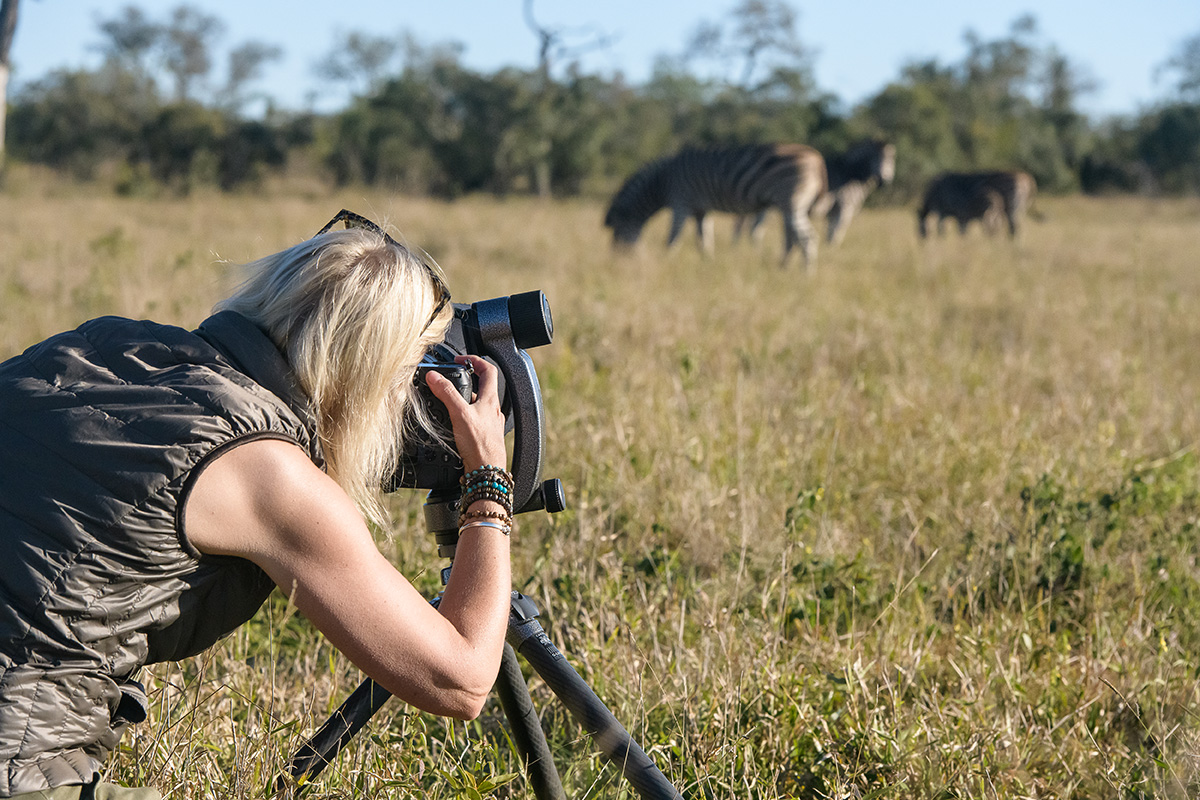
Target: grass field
922 525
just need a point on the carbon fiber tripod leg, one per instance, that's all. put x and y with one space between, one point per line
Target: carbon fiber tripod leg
527 729
336 732
529 639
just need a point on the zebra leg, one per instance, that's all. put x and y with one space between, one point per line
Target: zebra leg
849 201
840 224
833 232
755 223
798 230
756 230
739 222
991 221
704 233
678 218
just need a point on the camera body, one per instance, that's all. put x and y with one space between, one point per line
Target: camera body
499 330
427 462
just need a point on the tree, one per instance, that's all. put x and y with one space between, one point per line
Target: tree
8 26
76 120
1009 103
129 38
359 60
916 114
540 117
763 28
999 72
762 37
1170 145
187 47
1063 83
1185 63
246 62
562 44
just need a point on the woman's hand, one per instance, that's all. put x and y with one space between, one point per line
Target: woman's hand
478 426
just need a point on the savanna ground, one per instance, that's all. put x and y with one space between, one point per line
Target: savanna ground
923 525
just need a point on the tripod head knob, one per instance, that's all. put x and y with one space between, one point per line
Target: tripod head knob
553 496
548 496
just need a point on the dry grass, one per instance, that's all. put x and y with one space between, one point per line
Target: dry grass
922 525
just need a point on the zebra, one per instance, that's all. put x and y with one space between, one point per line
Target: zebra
747 179
986 196
852 176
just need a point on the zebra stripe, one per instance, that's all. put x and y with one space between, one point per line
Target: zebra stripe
741 180
985 196
852 176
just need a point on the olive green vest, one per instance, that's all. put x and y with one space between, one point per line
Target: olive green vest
102 430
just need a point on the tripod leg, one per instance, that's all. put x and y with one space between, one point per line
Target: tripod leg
529 639
525 636
527 729
369 697
339 729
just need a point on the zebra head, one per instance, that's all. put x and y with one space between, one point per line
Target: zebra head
887 163
879 158
626 229
638 199
870 159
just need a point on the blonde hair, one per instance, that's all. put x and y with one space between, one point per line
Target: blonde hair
348 309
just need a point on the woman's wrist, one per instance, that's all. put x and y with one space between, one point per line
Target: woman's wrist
472 463
485 524
485 514
487 499
485 508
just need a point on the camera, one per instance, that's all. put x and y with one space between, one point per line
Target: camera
429 461
499 330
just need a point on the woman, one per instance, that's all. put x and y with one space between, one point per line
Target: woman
158 484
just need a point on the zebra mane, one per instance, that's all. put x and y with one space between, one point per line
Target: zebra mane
642 195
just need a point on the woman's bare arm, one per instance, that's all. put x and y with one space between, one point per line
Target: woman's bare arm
267 502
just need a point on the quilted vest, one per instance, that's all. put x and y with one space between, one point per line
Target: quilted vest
101 432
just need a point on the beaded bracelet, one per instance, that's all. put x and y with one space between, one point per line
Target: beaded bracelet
490 483
469 515
487 471
489 476
490 486
502 517
505 529
502 499
484 493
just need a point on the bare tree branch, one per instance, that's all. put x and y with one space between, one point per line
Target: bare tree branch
552 44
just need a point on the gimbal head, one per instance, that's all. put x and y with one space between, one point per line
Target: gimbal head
500 330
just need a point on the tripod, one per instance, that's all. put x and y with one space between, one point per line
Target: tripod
526 637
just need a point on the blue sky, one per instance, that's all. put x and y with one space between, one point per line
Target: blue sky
858 46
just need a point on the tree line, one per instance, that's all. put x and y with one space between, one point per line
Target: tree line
150 117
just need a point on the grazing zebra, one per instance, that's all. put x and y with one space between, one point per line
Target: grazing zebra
985 196
749 179
852 176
